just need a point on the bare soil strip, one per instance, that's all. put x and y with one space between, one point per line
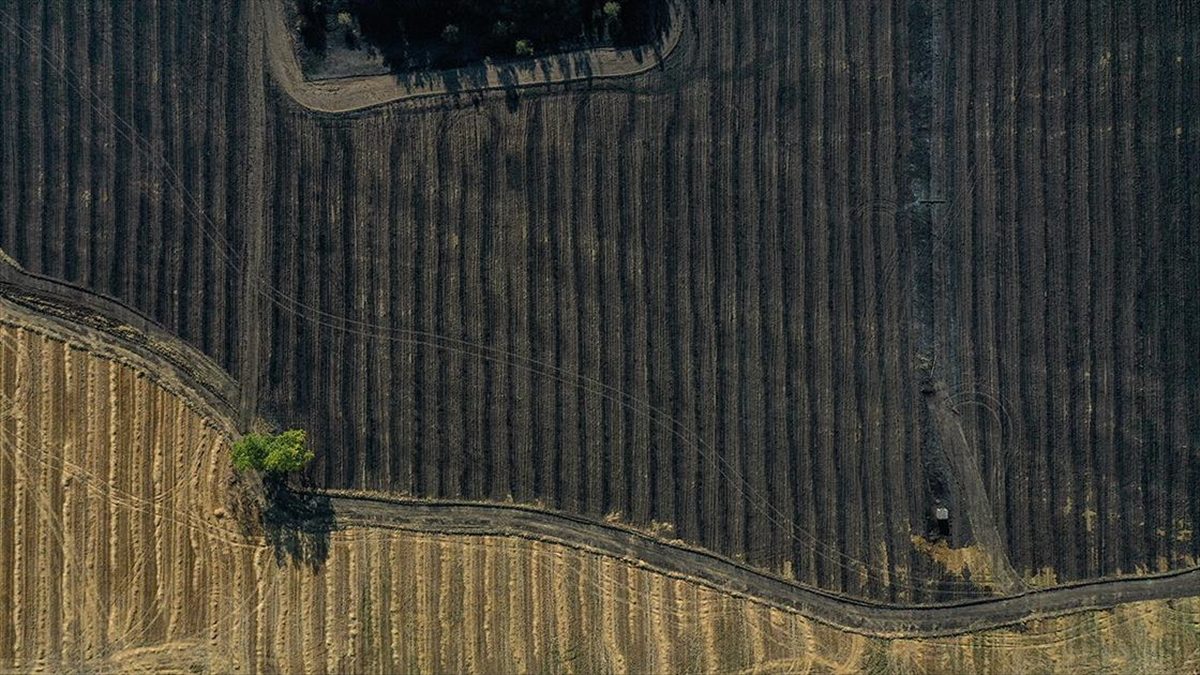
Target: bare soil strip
700 566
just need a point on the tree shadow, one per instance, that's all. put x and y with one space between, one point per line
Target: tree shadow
419 45
430 63
295 523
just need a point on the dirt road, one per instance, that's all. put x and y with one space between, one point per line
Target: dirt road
676 559
671 559
682 561
351 94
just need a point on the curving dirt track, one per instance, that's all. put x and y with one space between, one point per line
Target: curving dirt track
117 528
699 566
104 319
676 559
702 296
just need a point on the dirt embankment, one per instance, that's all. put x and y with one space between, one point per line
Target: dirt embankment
102 321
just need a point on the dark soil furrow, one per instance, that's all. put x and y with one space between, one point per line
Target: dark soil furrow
32 128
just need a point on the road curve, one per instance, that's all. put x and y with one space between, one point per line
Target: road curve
103 318
699 566
98 318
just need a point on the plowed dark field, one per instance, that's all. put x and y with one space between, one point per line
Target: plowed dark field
1065 291
717 295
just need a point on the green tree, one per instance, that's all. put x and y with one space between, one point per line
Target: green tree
250 452
524 48
612 10
278 454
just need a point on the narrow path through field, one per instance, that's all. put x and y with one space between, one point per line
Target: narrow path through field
715 571
253 342
642 550
110 320
964 465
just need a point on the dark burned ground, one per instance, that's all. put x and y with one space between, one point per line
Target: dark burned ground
710 295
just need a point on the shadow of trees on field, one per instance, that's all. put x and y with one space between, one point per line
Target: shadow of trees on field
509 73
640 32
297 526
295 523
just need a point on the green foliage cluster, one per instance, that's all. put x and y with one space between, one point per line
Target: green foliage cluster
281 453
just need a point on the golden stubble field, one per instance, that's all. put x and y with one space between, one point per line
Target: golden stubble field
116 554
